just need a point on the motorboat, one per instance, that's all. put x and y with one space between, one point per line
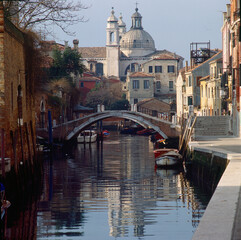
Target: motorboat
87 136
169 159
105 133
161 151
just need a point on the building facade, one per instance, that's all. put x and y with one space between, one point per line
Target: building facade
210 91
139 86
231 43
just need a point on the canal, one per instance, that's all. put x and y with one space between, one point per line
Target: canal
109 191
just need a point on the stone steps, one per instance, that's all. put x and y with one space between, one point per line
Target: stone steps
212 126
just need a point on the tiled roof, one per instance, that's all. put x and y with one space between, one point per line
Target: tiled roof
140 74
204 78
164 52
165 57
92 52
154 104
89 79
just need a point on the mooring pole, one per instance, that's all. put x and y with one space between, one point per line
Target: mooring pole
3 152
50 129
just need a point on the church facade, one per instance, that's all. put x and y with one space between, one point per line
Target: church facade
133 51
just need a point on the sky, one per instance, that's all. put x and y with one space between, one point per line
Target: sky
173 24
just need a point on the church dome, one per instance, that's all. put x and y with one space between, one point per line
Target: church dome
137 42
137 38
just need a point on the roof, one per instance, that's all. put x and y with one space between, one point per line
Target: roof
137 38
164 52
204 78
140 74
92 52
155 104
90 79
165 56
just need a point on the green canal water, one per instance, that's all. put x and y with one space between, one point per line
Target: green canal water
108 191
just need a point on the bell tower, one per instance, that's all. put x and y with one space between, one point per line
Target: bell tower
112 46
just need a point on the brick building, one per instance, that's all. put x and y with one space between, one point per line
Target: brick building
17 115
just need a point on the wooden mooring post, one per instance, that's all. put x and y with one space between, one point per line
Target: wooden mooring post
3 151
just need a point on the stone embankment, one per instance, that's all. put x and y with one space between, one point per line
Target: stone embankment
222 217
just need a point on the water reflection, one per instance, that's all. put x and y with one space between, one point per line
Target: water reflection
112 190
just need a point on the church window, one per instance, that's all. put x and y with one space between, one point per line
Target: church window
111 37
170 85
170 69
146 84
135 84
158 69
150 69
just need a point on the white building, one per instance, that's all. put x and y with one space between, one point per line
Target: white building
133 51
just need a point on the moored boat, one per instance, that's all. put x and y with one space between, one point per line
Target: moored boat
4 203
169 159
161 151
145 132
87 136
105 133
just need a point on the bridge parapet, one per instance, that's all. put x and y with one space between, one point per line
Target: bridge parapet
71 129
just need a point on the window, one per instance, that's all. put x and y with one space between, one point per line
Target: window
146 84
170 69
158 69
135 100
189 81
150 69
189 101
170 85
81 84
135 84
111 37
158 85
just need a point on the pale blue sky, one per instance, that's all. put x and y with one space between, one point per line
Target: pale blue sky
173 24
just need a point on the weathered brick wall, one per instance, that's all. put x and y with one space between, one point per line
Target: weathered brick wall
17 100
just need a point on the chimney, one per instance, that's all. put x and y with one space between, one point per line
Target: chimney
65 44
186 67
76 44
228 10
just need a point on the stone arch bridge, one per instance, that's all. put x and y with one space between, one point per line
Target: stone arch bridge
71 129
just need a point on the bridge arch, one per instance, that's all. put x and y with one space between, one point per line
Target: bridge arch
120 114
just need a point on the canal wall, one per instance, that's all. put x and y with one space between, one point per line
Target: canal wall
221 218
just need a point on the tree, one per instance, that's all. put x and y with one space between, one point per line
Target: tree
105 93
66 63
28 14
122 104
